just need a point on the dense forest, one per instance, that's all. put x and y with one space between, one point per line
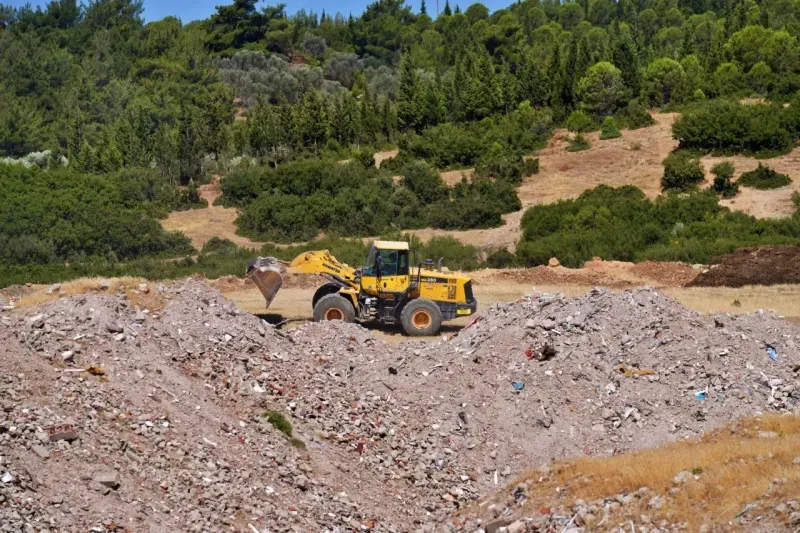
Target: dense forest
108 118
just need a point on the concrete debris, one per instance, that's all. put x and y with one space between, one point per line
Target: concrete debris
205 418
108 479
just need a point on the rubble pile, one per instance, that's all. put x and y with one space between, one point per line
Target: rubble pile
108 422
175 419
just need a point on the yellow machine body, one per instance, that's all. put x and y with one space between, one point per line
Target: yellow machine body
381 290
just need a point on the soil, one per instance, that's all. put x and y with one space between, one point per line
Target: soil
772 265
614 274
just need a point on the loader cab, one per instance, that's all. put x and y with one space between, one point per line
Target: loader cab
387 268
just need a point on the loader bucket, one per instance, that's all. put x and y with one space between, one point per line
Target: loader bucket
267 274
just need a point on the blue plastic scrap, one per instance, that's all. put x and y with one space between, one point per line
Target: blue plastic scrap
700 395
772 352
518 385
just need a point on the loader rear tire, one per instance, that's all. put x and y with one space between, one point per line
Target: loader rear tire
334 307
421 317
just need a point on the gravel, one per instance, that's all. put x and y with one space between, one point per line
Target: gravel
156 421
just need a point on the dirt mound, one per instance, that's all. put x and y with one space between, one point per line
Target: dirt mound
773 265
118 418
613 274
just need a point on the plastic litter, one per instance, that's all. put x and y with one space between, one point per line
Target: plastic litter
700 395
772 352
518 385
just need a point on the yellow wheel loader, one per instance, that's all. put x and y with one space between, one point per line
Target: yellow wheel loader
389 289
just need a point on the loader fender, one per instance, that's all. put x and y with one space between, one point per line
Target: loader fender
324 290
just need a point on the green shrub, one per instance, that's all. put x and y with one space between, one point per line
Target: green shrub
501 258
365 156
464 145
723 172
729 127
682 172
622 224
609 129
530 166
634 116
279 422
49 216
763 177
578 143
215 245
507 167
579 122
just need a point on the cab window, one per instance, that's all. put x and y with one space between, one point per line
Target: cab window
389 261
402 263
369 268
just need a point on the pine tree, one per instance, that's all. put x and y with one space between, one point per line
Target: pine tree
686 44
555 78
457 10
189 156
447 10
764 16
109 156
314 120
166 153
422 8
435 104
533 84
410 97
716 55
570 79
584 60
388 119
626 58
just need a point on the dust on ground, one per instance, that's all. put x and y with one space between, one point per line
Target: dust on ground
155 420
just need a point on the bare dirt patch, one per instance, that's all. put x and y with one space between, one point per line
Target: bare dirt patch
200 225
380 157
772 203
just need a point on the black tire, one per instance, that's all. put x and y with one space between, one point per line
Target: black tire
334 307
324 290
421 317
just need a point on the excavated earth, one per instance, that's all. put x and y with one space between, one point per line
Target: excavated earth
766 265
116 418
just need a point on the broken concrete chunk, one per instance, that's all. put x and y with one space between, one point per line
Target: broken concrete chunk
114 327
67 434
41 451
110 479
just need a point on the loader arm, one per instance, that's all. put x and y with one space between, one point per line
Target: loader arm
267 272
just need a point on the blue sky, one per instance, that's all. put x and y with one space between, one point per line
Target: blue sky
189 10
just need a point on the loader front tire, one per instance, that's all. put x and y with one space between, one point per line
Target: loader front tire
421 318
334 307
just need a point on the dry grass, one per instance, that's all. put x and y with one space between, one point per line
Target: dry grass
783 299
734 467
152 300
200 225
